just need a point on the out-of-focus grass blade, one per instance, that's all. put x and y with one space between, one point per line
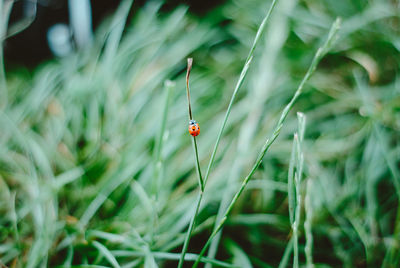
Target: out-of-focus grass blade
84 266
158 163
149 260
67 177
107 189
255 219
240 258
317 57
5 11
308 224
298 140
301 118
106 253
172 256
286 255
117 28
291 185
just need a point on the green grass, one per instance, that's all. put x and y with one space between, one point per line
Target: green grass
318 56
228 111
97 167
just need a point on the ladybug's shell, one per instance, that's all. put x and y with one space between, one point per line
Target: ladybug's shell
194 128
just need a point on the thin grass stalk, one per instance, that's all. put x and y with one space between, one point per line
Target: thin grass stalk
285 258
190 230
5 11
297 215
239 83
117 28
228 111
295 224
318 56
196 153
308 225
201 182
291 184
3 83
223 205
298 141
393 249
158 163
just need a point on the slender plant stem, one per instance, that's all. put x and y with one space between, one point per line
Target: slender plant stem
295 225
319 54
237 87
5 10
157 159
196 153
308 225
158 162
239 84
190 230
201 182
291 185
298 141
286 254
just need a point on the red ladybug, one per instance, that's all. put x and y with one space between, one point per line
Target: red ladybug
194 128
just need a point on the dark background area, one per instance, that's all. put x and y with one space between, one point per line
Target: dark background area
29 47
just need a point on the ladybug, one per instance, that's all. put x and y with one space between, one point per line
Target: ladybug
194 128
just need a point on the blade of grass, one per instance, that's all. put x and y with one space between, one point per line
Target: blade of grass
158 162
201 181
84 266
190 230
285 258
117 29
239 83
237 87
318 56
298 140
291 185
5 11
308 225
106 253
120 177
196 153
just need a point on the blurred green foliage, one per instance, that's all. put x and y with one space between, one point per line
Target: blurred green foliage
86 179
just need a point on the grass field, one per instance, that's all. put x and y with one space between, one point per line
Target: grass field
97 168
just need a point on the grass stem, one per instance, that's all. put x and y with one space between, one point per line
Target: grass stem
190 230
308 225
318 56
158 162
5 11
297 146
239 83
201 182
237 87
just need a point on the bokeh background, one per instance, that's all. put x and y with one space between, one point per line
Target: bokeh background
89 178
